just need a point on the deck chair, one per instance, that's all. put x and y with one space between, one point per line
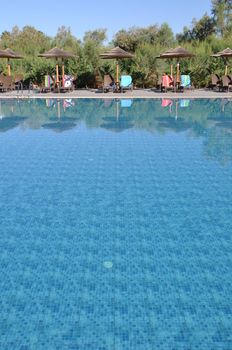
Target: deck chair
185 81
215 81
225 83
167 83
126 83
67 83
1 78
6 83
108 83
48 84
18 81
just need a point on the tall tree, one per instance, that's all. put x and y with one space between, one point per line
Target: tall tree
98 36
200 30
222 13
64 38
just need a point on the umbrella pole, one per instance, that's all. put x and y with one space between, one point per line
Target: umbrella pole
8 67
171 70
62 71
117 82
178 72
226 70
57 73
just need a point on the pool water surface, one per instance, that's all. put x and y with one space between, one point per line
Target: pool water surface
116 224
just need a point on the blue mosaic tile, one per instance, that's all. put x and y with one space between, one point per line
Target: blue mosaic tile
115 228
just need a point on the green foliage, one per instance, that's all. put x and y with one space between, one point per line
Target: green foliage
200 30
131 39
222 14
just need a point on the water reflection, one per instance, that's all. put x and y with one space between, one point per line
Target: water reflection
118 122
58 123
209 120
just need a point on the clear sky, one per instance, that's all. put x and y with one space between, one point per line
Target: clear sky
83 15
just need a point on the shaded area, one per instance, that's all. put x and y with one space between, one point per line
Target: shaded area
10 122
59 126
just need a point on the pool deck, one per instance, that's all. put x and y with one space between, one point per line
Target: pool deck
138 93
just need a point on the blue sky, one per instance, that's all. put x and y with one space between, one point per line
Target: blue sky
83 15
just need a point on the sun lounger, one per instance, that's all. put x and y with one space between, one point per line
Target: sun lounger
108 83
18 81
126 83
48 84
67 83
6 83
167 83
215 81
185 82
225 83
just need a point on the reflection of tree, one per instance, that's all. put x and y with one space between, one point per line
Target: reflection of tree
217 144
200 118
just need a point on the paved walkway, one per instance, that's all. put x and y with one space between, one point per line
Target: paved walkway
145 93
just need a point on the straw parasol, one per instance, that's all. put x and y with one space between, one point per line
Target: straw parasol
224 54
8 53
177 53
116 53
57 53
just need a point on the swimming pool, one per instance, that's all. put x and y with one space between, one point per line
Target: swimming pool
116 224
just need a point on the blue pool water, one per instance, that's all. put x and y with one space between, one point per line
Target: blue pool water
116 224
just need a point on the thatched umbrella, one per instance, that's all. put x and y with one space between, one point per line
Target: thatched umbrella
224 54
8 53
116 53
57 53
177 53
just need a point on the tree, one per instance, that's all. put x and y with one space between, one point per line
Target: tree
131 39
165 35
222 14
98 36
200 30
64 38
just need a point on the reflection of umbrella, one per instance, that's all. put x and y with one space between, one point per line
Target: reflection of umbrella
8 53
116 53
177 53
224 54
117 123
10 122
59 126
57 53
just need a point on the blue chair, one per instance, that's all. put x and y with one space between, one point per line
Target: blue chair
126 83
185 81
